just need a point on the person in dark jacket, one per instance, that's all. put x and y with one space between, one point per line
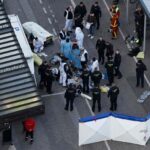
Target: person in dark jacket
140 68
70 96
117 62
97 12
109 50
96 94
29 126
49 80
85 79
96 77
100 47
110 71
41 70
113 94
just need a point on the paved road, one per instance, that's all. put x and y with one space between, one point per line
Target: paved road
58 129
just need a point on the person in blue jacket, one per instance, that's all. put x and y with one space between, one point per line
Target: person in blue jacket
66 48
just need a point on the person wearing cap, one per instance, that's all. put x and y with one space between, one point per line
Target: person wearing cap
109 65
97 12
96 95
117 62
70 96
140 68
100 47
29 126
84 57
113 95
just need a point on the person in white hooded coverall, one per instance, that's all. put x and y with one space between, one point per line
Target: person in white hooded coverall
63 73
79 37
95 65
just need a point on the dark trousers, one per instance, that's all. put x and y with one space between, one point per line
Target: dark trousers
140 79
98 102
49 87
83 64
69 102
101 58
113 102
42 82
110 78
96 83
29 134
86 86
117 72
97 22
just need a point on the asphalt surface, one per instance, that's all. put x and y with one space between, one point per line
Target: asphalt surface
58 129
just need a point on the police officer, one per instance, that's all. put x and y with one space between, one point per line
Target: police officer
41 70
100 47
113 94
109 50
97 12
85 79
96 98
49 80
117 62
96 77
70 96
110 70
140 68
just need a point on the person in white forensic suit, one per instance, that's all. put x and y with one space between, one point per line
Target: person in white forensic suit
38 45
79 37
63 73
12 147
95 65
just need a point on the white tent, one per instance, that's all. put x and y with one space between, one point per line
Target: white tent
112 126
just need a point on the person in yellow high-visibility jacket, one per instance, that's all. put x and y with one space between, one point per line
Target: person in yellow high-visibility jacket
114 26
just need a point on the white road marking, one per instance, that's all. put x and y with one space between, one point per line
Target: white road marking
53 16
49 6
51 10
49 20
56 21
54 94
40 1
54 31
44 9
123 36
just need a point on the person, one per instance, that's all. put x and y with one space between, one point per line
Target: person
114 26
109 50
41 70
140 68
49 80
91 19
79 13
85 80
115 2
113 94
66 48
100 47
70 96
29 125
96 77
117 62
63 68
30 39
110 71
94 65
115 9
84 57
96 95
12 147
62 37
97 13
79 37
68 14
38 45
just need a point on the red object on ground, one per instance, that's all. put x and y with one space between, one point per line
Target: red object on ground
29 124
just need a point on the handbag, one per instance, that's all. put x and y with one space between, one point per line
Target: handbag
88 25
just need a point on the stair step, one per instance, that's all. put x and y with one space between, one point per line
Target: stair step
4 40
9 54
6 35
8 49
8 44
11 58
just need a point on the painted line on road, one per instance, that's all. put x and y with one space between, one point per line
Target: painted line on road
44 9
56 21
123 36
51 10
40 1
49 20
87 102
54 94
53 16
54 31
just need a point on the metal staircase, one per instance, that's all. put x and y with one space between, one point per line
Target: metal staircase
18 93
